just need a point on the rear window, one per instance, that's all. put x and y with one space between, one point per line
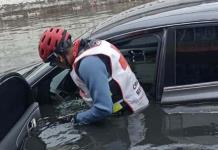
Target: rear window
196 55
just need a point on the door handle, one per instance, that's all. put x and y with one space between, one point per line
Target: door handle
32 124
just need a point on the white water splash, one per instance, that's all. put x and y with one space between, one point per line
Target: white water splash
58 135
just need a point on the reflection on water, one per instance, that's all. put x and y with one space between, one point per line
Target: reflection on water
155 129
59 135
19 38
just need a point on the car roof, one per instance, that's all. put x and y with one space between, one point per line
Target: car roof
158 14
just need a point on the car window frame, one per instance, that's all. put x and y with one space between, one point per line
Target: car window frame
169 77
159 32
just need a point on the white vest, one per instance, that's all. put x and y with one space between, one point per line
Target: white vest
132 92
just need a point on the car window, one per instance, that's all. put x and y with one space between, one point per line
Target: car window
140 52
62 86
196 55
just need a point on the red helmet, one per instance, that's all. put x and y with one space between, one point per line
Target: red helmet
51 40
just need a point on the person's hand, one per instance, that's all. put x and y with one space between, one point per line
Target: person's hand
68 118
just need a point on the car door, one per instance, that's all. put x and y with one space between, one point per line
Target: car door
191 64
18 111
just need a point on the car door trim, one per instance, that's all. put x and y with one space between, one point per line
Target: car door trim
155 28
191 86
30 117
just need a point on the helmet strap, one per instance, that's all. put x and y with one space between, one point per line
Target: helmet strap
66 62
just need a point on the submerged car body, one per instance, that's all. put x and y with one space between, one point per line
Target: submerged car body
171 46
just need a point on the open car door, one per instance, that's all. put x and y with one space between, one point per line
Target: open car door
18 111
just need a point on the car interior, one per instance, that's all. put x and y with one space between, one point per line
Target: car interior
55 86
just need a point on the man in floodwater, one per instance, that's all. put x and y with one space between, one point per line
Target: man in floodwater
101 72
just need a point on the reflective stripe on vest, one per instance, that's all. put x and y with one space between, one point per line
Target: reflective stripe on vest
132 92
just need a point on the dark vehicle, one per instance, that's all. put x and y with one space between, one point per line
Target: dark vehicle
171 46
19 112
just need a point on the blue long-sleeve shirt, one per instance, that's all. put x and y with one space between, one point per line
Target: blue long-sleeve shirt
94 73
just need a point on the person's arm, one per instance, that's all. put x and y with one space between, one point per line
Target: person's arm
93 72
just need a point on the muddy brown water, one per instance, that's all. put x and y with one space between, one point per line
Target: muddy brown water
157 128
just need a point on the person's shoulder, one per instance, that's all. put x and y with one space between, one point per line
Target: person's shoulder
90 62
91 65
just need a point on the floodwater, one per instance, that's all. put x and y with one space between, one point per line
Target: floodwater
157 128
19 36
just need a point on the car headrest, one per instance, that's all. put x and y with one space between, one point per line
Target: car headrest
14 100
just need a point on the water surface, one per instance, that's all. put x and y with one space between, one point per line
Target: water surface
19 36
157 128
